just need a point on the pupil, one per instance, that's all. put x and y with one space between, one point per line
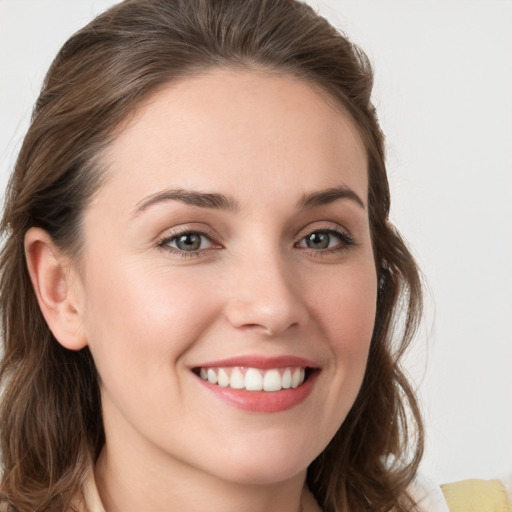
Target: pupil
189 242
318 240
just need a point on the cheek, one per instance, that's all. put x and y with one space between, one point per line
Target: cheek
140 314
345 309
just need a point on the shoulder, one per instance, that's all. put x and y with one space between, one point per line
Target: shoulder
427 495
477 495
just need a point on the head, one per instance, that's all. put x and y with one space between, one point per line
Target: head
103 77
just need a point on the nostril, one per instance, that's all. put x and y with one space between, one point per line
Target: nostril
265 314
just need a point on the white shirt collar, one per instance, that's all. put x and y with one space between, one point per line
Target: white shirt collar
91 496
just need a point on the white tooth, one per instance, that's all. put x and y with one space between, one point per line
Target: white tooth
236 381
287 379
223 378
272 380
302 375
212 376
296 378
253 380
203 374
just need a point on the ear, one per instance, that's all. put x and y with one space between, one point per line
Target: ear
56 286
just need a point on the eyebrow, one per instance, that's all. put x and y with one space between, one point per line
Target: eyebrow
201 199
221 202
329 196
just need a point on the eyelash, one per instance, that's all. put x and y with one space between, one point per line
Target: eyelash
346 241
164 242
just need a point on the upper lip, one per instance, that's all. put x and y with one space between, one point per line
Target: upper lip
259 361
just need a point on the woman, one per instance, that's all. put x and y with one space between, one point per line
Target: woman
200 284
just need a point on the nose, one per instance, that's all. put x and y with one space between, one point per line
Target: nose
265 296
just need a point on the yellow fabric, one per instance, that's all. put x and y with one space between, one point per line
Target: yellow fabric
476 496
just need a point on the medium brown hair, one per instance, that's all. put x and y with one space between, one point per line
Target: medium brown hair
51 426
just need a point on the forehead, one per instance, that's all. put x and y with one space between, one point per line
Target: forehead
205 131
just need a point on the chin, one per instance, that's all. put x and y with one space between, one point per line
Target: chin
267 474
264 466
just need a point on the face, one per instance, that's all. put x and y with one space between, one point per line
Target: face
227 279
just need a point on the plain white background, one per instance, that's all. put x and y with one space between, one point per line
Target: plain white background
443 93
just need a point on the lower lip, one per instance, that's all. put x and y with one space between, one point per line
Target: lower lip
263 401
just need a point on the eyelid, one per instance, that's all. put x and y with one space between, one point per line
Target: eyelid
326 225
347 240
174 233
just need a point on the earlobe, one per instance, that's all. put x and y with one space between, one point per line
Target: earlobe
54 284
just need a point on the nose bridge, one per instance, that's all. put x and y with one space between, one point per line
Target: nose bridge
264 295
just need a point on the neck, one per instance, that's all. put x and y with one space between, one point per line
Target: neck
128 485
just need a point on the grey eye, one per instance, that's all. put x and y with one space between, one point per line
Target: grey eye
188 242
318 240
324 239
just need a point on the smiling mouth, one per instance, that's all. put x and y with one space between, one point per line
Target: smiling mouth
255 379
